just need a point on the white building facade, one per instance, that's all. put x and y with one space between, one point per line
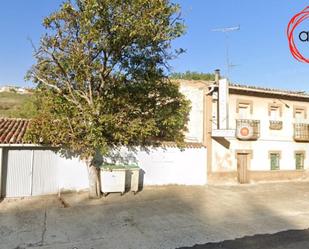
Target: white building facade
263 136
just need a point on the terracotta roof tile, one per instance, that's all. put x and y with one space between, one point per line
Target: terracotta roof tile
270 90
12 130
249 88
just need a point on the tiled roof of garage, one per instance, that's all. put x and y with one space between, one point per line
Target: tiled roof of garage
12 130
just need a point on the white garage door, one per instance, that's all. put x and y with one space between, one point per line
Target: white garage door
29 172
17 173
44 179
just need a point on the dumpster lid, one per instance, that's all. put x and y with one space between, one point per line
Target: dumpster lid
118 166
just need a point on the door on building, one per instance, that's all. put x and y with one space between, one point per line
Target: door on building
29 172
242 167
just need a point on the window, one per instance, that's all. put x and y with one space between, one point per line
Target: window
299 159
274 160
274 111
300 113
244 108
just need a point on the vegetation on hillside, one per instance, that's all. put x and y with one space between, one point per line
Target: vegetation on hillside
15 105
189 75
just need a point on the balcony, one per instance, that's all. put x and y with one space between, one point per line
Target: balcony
301 132
275 125
247 129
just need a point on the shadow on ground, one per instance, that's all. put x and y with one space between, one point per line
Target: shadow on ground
287 239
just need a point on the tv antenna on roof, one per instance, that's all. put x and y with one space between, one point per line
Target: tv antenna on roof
226 31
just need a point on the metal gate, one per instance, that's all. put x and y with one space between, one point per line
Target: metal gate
29 172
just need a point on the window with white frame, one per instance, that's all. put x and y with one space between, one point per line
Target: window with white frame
244 109
300 113
274 112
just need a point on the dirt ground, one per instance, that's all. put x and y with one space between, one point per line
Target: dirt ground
161 217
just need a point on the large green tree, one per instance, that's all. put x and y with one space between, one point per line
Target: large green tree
101 79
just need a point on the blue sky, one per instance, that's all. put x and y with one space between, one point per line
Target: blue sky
259 48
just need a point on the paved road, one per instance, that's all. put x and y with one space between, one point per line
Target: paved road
292 239
158 217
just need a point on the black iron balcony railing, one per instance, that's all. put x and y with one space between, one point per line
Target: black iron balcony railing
275 125
301 132
247 129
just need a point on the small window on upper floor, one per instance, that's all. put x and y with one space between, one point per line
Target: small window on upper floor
300 113
244 109
274 111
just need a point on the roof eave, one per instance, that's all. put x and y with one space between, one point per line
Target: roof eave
273 92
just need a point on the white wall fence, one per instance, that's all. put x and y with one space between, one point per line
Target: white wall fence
160 166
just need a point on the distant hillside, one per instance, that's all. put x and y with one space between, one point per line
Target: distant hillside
15 105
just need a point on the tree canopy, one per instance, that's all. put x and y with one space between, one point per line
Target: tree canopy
101 75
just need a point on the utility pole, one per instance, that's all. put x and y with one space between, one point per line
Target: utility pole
226 31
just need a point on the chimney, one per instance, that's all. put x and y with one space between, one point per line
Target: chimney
217 75
223 100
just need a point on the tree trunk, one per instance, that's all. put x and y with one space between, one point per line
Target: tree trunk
94 180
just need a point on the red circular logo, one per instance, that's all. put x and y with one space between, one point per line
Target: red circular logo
294 22
244 131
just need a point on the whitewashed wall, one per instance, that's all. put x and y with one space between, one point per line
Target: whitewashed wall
72 174
195 123
158 167
170 165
